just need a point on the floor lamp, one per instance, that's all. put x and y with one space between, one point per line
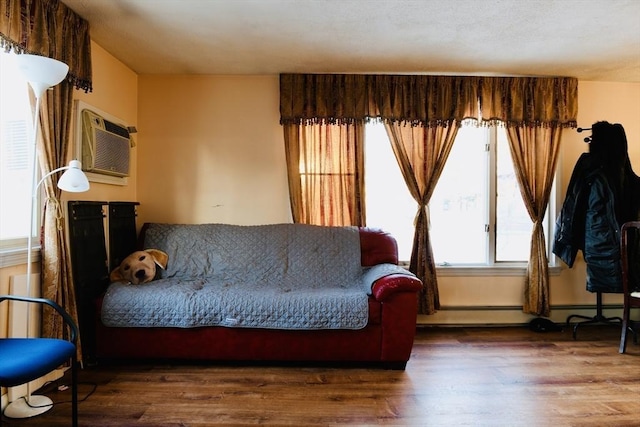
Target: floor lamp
42 73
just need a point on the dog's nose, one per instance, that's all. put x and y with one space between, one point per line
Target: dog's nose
140 274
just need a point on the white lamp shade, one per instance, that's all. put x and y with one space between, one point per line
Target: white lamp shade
73 179
41 72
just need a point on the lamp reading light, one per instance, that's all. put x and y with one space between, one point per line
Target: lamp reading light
73 180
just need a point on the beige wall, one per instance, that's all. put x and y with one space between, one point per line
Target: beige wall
211 150
115 92
615 103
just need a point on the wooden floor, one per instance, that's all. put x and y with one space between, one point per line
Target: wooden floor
456 377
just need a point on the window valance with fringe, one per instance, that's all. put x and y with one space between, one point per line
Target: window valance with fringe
428 100
48 28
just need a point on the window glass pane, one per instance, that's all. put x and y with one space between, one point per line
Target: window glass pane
459 205
513 225
15 152
389 205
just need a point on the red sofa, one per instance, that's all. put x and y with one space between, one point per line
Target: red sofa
386 340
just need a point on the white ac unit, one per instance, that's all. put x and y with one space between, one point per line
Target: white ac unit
105 145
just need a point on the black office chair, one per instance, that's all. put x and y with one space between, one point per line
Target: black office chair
26 359
630 254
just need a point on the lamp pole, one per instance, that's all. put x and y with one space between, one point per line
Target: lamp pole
41 73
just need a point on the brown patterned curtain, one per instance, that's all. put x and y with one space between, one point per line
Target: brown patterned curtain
535 111
422 153
534 151
325 164
57 278
49 28
428 102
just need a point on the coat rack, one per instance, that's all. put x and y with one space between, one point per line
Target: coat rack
599 318
600 195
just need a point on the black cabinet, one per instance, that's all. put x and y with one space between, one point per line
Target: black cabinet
90 263
122 231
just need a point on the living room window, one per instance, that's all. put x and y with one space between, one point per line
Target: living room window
477 215
16 155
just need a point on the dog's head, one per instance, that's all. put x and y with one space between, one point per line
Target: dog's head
139 267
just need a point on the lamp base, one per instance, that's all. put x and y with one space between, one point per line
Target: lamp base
20 409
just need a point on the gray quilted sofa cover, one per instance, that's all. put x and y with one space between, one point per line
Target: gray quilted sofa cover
282 276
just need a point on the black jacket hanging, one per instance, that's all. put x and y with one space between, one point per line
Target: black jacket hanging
603 193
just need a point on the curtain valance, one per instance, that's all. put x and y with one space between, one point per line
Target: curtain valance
324 98
529 101
428 100
48 28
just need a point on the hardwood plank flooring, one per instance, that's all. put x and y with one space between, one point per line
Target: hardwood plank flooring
495 376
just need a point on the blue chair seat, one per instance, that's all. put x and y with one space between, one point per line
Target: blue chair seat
26 358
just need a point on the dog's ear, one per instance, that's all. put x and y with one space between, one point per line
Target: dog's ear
159 257
116 276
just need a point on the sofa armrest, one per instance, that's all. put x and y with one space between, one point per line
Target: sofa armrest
387 286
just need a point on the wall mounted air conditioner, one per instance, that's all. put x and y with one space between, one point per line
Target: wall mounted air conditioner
105 145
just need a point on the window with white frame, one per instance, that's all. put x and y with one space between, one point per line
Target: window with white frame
16 156
477 215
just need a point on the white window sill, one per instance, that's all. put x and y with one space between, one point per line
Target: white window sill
10 257
519 269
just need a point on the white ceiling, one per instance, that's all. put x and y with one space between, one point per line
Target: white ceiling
588 39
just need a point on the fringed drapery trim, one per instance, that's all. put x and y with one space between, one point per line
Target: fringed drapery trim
527 124
352 121
430 124
7 45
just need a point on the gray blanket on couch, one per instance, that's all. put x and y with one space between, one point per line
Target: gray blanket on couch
281 276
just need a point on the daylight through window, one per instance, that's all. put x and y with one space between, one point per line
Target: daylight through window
16 155
476 213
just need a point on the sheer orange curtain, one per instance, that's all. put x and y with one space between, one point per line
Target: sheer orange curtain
325 165
49 28
422 153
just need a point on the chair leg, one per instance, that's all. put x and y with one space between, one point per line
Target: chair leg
623 337
625 327
74 392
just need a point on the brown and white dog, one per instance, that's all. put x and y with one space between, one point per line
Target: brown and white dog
139 267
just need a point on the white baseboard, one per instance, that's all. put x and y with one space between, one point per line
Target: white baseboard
511 315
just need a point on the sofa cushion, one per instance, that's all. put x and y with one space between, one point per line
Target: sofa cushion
286 254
